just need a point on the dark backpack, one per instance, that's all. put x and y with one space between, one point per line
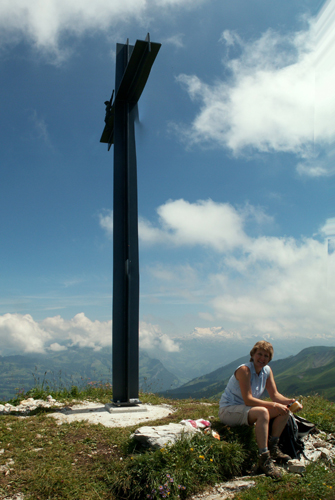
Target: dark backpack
290 441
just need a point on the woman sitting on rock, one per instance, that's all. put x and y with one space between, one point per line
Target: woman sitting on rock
240 404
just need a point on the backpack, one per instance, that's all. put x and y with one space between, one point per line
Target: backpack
290 441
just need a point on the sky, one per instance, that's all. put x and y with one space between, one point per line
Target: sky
236 171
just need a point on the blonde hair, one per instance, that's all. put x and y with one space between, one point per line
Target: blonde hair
262 344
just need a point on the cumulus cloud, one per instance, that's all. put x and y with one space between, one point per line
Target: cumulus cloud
79 331
151 337
207 223
254 284
250 283
278 96
43 22
106 222
22 334
57 347
283 290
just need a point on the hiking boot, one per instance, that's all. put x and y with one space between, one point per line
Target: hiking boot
277 454
266 465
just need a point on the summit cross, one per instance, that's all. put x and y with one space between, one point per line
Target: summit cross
132 69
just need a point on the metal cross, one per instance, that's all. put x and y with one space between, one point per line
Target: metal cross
133 66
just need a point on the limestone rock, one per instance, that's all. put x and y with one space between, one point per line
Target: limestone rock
28 405
296 466
226 490
160 436
313 456
325 453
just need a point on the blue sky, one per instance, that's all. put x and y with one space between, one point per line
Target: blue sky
235 153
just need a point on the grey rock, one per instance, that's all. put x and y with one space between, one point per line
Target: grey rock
296 466
325 452
226 490
160 436
313 456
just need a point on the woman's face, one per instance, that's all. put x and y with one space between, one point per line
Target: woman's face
261 358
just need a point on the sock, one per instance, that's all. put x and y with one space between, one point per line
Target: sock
262 450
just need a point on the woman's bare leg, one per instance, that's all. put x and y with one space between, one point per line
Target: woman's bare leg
260 416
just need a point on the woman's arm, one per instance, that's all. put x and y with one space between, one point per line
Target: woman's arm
273 391
243 376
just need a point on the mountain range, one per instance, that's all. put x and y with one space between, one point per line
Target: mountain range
75 366
310 371
206 349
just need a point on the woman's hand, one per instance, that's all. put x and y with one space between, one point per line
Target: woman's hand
282 409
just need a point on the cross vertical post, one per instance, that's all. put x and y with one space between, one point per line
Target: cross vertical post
133 65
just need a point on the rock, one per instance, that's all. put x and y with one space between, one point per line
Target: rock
325 453
160 436
17 496
312 457
28 405
6 469
318 443
226 490
296 466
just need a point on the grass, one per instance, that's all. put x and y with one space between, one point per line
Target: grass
318 483
81 461
178 470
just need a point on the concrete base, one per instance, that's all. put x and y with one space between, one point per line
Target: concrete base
110 416
113 408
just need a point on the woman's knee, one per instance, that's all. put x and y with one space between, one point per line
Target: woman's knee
259 414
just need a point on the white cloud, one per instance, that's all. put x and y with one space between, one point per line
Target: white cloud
151 337
278 97
207 223
280 286
230 38
283 290
328 228
57 347
43 22
41 128
204 222
79 331
176 40
22 334
106 222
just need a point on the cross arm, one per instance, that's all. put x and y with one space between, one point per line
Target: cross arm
132 83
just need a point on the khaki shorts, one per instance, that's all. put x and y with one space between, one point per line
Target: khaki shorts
234 415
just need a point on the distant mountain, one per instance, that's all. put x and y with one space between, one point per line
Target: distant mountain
310 371
75 366
154 377
206 349
208 385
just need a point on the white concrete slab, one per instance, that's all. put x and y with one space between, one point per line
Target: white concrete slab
97 413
